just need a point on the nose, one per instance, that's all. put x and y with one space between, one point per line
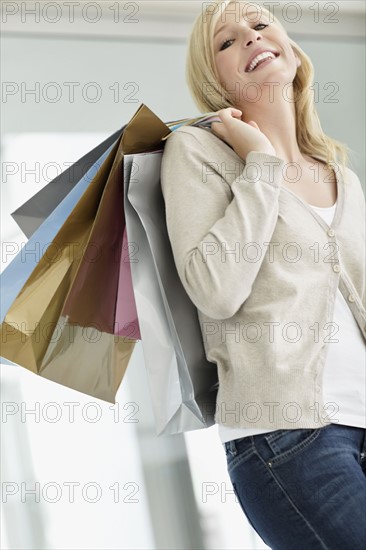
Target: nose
252 36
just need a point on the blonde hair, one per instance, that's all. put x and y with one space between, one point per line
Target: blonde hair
209 95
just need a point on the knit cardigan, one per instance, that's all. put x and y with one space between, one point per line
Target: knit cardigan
262 268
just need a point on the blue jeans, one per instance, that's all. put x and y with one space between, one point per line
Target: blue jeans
303 489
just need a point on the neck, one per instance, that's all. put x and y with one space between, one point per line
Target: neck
276 118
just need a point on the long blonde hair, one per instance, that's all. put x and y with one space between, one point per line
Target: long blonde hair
209 95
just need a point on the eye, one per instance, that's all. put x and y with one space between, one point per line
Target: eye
261 25
226 41
224 44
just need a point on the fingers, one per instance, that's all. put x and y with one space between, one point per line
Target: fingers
218 128
229 112
215 119
224 116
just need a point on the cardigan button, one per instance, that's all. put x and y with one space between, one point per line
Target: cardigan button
336 268
351 298
331 233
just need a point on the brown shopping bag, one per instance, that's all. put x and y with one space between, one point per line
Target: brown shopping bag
33 328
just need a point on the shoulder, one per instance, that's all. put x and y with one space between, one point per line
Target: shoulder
196 154
202 139
349 176
352 181
197 132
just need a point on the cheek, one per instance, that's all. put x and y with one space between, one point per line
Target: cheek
220 68
225 67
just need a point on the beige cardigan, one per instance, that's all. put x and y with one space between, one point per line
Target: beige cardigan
262 268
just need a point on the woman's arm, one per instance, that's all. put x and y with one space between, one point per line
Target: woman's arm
209 221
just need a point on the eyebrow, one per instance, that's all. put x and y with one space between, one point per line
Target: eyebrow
224 26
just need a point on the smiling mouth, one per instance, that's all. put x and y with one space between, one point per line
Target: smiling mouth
265 62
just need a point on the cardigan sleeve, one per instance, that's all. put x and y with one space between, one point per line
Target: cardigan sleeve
218 231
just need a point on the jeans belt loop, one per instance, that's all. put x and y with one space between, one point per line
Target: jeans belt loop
232 447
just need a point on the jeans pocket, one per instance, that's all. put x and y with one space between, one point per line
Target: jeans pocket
286 444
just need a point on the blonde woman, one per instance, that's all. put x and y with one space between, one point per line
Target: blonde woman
267 227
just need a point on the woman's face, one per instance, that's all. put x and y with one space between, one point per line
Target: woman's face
237 35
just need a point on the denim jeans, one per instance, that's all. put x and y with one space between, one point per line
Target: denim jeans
303 489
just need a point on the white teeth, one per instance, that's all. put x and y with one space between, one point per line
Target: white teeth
256 60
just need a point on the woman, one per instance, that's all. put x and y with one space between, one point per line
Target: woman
268 236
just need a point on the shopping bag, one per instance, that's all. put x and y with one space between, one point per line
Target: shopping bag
30 215
84 305
85 328
37 337
126 319
93 295
183 383
15 275
32 318
92 299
